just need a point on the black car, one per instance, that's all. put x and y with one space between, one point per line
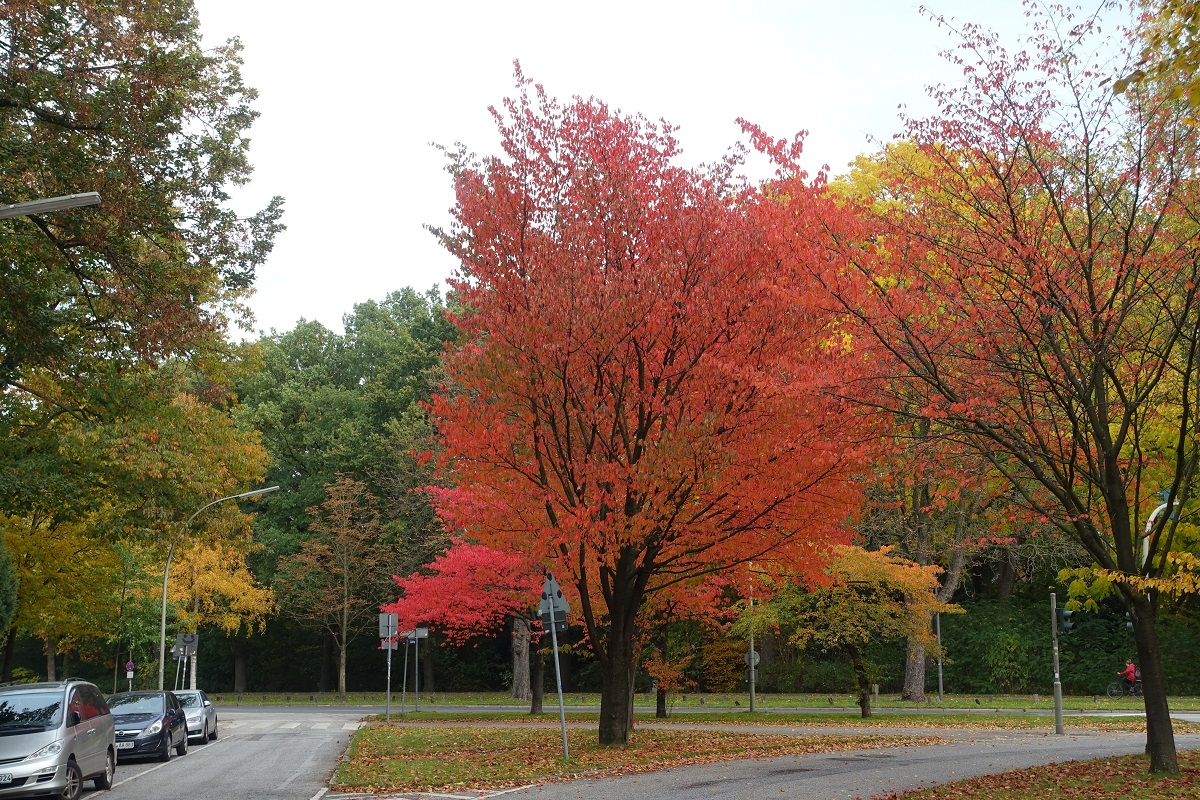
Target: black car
149 723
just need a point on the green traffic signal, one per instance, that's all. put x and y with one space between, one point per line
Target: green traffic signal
1065 623
1128 621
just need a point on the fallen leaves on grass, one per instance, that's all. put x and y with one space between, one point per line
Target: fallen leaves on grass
1116 778
426 759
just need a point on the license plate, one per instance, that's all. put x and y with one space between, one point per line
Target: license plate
5 777
124 745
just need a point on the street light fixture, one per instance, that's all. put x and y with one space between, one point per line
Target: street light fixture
46 205
162 635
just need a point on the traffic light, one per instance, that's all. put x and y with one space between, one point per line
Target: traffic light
1065 623
1128 621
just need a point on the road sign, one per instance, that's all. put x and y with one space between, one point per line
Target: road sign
414 635
751 658
129 666
553 605
387 626
390 643
185 645
746 674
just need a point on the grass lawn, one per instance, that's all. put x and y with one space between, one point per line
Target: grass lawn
414 759
1007 721
645 702
1117 778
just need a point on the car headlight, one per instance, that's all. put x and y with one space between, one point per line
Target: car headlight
153 729
52 749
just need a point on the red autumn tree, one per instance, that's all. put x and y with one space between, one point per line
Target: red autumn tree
471 590
1035 283
634 402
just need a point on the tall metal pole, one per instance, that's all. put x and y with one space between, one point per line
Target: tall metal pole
752 656
562 714
1058 721
416 673
162 631
938 622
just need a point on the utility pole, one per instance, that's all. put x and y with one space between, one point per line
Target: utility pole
1058 719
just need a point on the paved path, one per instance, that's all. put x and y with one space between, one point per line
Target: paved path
831 776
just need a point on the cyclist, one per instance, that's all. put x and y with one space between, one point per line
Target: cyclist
1128 675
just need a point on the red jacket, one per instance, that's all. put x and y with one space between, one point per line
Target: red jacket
1129 673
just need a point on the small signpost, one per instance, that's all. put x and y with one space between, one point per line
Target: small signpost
553 610
129 673
412 637
387 639
185 648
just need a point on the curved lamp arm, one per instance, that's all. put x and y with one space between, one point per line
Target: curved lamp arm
162 631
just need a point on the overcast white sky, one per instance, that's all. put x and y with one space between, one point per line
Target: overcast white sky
352 93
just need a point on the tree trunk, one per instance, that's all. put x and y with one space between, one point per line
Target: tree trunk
861 681
239 666
538 680
616 690
427 674
660 695
1160 735
1007 579
914 670
342 667
10 650
50 665
520 659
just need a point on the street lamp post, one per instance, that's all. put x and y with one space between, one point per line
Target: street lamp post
46 205
162 635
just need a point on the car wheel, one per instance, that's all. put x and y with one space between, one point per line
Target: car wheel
212 736
105 779
204 735
74 786
181 748
165 753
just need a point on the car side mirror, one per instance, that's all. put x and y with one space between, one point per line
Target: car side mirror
74 718
207 703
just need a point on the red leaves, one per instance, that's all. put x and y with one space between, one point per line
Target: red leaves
468 591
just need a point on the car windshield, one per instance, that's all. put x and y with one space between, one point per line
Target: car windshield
136 704
30 710
189 699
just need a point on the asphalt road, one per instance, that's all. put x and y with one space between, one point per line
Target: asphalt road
287 753
260 754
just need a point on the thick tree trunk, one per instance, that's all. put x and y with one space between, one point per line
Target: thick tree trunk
1160 734
1006 581
538 680
520 659
616 690
914 670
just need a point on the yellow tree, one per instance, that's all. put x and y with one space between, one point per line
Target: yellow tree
868 596
66 578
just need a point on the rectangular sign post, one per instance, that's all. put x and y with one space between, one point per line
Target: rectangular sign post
553 611
387 637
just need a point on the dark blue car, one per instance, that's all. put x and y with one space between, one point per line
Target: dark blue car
149 723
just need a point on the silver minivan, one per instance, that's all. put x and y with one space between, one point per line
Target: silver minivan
53 737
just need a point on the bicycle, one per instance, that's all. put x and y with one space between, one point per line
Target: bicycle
1117 690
